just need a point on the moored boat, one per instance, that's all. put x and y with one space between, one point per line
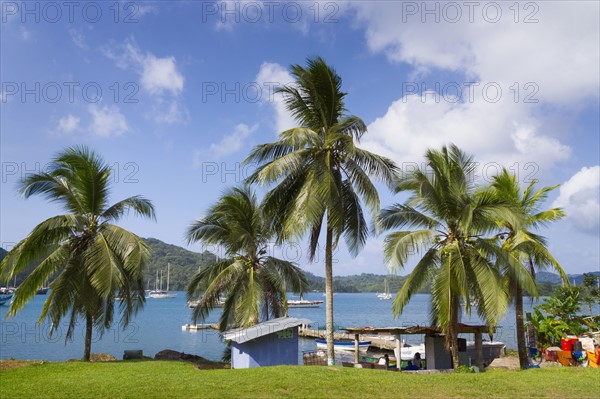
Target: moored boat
384 296
408 351
159 293
344 345
5 298
193 304
303 303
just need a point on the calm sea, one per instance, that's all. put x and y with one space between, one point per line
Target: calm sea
158 327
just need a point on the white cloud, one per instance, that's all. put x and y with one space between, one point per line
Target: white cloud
232 142
559 52
273 75
78 39
502 133
159 78
229 144
24 33
580 198
226 14
161 74
171 113
157 75
68 124
107 121
144 9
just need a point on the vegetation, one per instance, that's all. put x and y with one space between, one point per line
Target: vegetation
445 219
523 244
561 315
181 380
365 282
322 177
253 283
590 290
184 263
91 259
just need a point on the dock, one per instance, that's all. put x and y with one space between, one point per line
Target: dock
196 327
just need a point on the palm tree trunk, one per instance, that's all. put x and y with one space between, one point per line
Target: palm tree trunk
454 331
88 336
329 296
520 327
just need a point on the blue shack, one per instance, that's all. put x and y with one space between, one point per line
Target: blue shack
271 343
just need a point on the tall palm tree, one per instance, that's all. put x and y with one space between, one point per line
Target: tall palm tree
253 282
90 259
528 247
321 175
445 220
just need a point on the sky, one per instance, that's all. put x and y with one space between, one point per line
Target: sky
174 95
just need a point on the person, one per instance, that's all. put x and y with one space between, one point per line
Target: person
384 360
416 362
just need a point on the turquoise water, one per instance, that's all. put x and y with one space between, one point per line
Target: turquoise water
158 327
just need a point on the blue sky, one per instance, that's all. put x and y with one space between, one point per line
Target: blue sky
175 94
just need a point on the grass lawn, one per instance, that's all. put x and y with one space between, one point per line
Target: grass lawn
174 379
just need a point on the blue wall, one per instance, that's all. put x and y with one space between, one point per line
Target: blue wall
270 350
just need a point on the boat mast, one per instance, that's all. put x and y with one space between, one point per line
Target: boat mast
168 271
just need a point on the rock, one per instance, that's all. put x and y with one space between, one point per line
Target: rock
102 357
133 354
169 354
507 362
199 361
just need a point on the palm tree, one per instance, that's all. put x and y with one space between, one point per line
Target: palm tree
253 283
445 219
529 248
90 259
321 175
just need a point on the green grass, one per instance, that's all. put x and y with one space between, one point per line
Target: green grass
165 379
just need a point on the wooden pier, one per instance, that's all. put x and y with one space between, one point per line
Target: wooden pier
196 327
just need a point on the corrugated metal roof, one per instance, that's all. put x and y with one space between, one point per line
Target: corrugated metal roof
241 335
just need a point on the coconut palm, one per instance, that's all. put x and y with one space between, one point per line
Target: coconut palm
321 175
529 248
90 259
253 283
445 221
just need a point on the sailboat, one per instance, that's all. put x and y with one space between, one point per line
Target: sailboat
384 296
158 292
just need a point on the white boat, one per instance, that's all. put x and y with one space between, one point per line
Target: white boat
303 303
196 327
5 298
193 304
384 296
158 292
408 351
344 345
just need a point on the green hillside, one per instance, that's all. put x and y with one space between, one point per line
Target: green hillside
185 263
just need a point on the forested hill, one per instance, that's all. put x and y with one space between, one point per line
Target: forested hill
183 263
366 282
